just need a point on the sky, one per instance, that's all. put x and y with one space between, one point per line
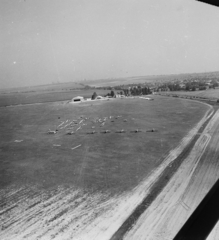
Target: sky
50 41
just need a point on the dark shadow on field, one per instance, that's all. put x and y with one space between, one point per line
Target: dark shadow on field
203 219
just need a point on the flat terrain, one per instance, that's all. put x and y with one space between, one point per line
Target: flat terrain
184 192
48 87
150 79
59 185
210 93
121 81
30 97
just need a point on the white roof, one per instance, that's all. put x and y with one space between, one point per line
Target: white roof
99 97
78 97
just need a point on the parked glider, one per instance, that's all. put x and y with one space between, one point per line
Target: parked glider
52 132
70 133
106 131
137 130
152 130
120 131
92 132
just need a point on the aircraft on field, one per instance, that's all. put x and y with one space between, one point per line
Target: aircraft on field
52 131
137 130
152 130
106 131
92 132
70 133
120 131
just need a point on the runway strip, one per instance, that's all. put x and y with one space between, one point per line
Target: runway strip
167 214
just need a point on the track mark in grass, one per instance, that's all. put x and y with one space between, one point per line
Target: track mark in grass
76 147
58 215
33 205
158 186
6 226
8 209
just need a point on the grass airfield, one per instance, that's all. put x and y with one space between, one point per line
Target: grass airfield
73 186
105 161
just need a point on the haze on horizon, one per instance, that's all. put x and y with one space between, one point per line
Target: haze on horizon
47 41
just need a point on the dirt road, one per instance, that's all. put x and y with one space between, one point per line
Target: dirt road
184 192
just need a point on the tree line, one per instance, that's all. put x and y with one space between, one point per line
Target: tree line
131 91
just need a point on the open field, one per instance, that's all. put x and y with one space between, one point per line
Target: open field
45 88
45 96
149 78
31 123
121 81
85 185
209 94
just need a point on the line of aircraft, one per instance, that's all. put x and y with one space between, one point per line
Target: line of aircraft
79 122
105 131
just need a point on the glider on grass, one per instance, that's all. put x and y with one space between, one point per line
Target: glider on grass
93 132
106 131
52 132
137 130
70 133
78 129
120 131
152 130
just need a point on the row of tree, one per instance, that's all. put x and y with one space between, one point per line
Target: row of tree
188 86
133 91
139 90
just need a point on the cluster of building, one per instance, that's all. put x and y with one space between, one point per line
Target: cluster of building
82 99
189 85
184 84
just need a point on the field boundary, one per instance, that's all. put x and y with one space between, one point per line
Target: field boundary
181 195
163 174
191 97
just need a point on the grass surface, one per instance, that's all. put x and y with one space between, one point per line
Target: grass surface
211 93
151 79
45 96
113 162
48 87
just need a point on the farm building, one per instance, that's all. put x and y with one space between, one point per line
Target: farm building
78 99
